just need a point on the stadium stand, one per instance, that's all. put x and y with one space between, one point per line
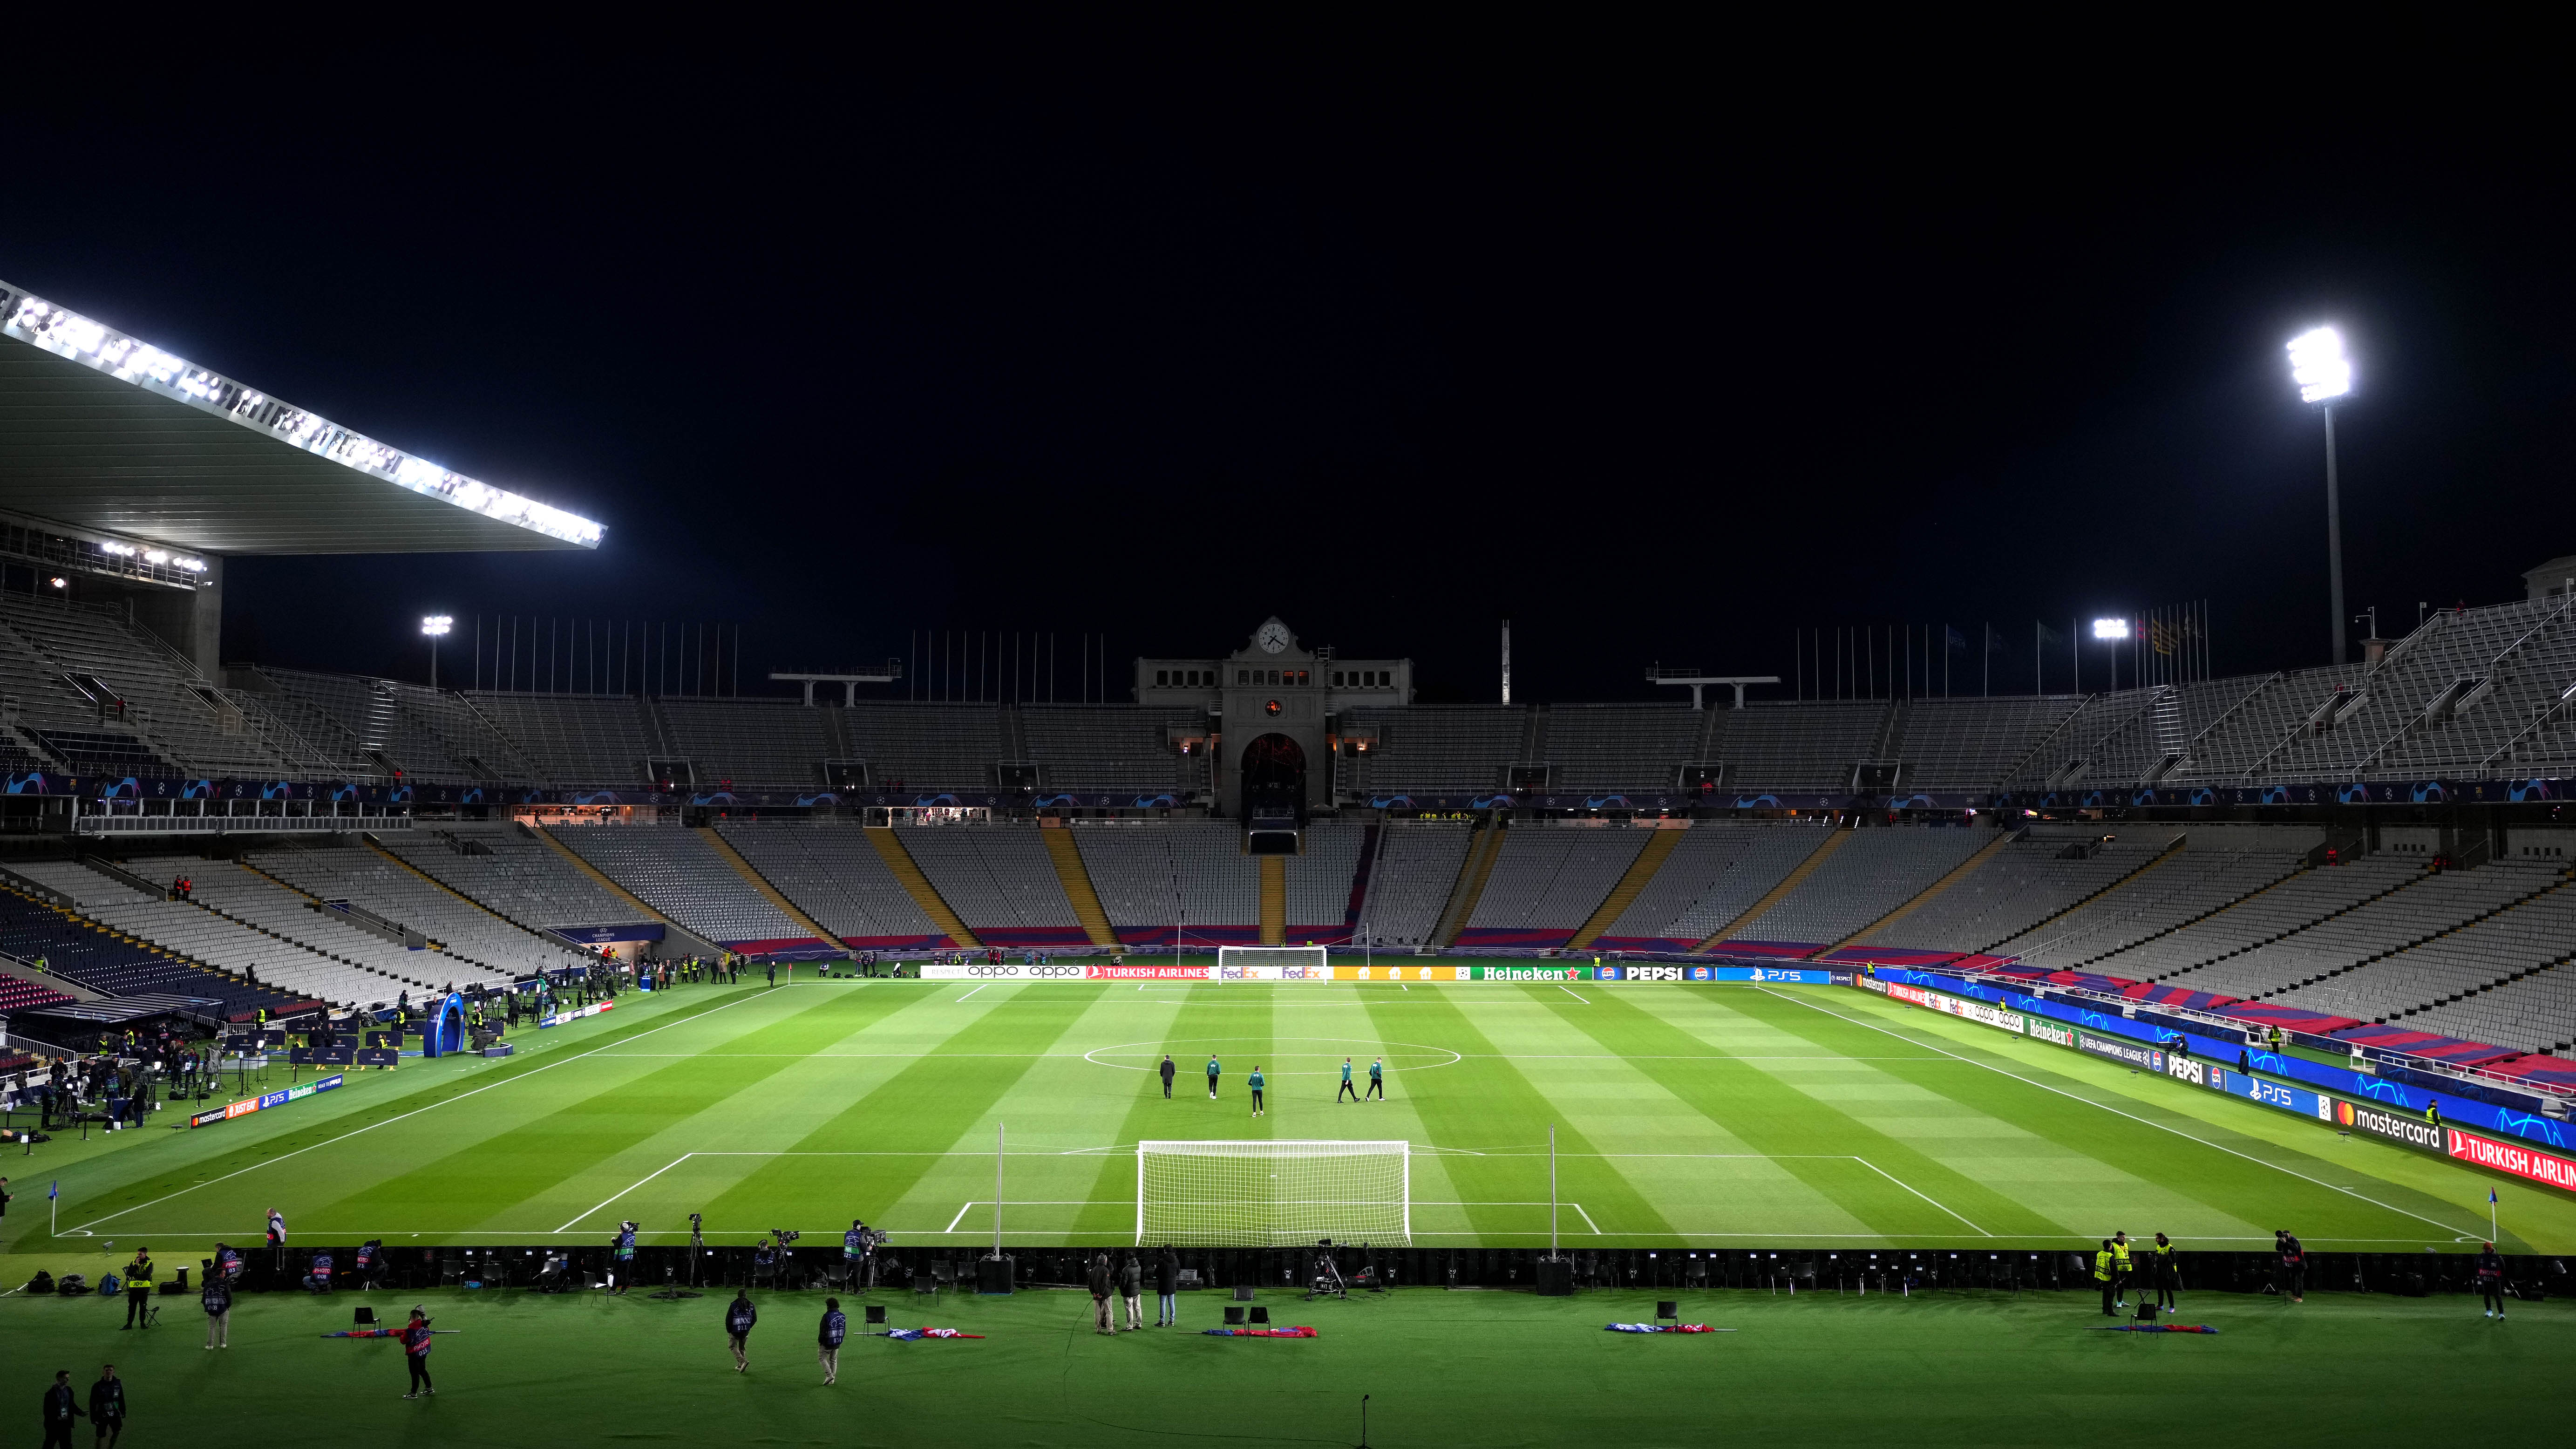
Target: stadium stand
774 742
1409 883
1769 745
679 874
378 883
2218 866
834 875
2294 904
573 739
511 873
2429 904
234 947
104 959
1106 747
1437 748
1872 874
1000 882
1715 874
2028 881
19 994
927 748
1598 747
240 893
1546 883
1189 874
104 697
2455 965
1319 883
1970 744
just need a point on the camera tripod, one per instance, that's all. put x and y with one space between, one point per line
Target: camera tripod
1327 1280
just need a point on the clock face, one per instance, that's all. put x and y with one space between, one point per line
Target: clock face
1272 638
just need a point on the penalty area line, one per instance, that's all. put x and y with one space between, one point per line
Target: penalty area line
639 1182
1918 1192
1577 995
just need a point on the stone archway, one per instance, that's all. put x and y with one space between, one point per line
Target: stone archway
1273 771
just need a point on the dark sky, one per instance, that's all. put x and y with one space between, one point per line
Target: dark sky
1087 334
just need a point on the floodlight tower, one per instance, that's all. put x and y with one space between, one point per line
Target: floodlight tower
2323 372
436 627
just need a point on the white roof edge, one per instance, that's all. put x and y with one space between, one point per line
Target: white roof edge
68 334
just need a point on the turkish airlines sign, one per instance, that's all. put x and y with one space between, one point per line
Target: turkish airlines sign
2509 1157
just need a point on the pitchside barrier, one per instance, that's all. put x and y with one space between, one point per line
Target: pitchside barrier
1392 971
2221 1066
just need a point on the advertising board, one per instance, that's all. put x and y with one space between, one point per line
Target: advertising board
2137 1054
2394 1126
265 1101
2527 1163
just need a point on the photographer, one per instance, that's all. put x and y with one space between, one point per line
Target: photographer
621 1260
217 1299
138 1290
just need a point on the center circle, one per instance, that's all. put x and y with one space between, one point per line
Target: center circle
1152 1052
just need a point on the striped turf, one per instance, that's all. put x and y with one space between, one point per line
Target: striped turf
1721 1116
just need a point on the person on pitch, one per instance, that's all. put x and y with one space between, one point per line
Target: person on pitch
854 1245
1101 1289
2102 1276
138 1289
62 1406
2490 1275
1167 1287
1377 1078
1169 1071
415 1341
217 1299
107 1406
739 1317
1131 1286
827 1339
1346 1090
2294 1265
2120 1265
1211 1076
2166 1274
621 1260
1255 1082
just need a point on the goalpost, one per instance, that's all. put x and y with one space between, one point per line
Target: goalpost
1273 1193
1315 961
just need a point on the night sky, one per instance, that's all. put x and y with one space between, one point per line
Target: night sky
1090 334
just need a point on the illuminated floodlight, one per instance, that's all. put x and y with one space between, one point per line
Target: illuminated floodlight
436 624
58 581
2110 628
2318 365
66 333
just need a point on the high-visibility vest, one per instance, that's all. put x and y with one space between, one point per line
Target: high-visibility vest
2102 1266
2120 1256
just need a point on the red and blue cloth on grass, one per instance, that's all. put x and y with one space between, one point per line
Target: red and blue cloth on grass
907 1335
1300 1332
1659 1328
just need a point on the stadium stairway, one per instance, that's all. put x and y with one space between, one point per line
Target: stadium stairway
908 873
1274 900
27 972
1780 892
1473 872
1625 893
751 876
1076 880
1958 873
672 930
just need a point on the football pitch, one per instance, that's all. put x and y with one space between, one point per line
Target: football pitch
1717 1116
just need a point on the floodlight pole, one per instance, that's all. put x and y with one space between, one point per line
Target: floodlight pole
2334 537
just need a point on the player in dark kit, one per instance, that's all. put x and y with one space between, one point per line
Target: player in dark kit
739 1317
1377 1079
1346 1084
1211 1078
1169 1071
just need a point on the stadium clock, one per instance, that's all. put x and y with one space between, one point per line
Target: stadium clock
1272 638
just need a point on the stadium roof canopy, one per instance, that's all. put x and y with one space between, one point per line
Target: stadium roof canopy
101 431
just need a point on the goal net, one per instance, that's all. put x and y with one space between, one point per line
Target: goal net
1290 961
1273 1193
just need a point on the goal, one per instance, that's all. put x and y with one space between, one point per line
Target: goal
1273 1193
1293 962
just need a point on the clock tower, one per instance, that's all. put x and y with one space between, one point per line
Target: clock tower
1274 709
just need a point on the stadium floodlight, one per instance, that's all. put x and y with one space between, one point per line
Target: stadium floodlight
436 627
95 345
2111 630
2323 372
2319 365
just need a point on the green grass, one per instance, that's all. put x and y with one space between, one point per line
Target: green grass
1443 1369
1717 1115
